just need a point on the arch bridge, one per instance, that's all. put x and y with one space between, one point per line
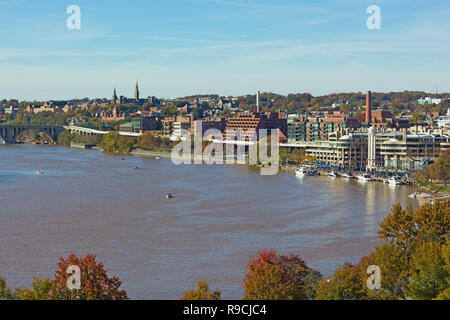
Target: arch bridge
10 133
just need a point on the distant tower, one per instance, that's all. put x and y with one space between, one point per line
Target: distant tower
136 92
369 107
114 99
258 101
372 146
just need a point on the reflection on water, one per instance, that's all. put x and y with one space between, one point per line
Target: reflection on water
89 202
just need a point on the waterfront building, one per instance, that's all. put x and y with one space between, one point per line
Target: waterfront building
394 149
207 124
248 125
168 124
133 126
318 129
150 123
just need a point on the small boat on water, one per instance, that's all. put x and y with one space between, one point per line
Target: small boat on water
333 174
365 177
169 196
420 195
348 175
157 158
303 171
395 181
39 173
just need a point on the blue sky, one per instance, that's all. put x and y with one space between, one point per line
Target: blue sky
229 47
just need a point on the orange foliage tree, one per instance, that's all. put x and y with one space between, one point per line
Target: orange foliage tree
95 283
279 277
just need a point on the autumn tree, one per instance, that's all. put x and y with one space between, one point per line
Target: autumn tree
95 282
279 277
445 294
413 260
440 169
346 283
417 118
203 292
148 140
5 292
406 227
429 274
393 262
40 290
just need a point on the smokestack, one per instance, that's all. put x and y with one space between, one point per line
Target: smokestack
368 107
258 102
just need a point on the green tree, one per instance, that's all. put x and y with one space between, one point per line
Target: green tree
5 292
197 113
203 292
440 169
150 141
429 274
65 138
346 283
394 265
114 142
417 118
40 290
445 295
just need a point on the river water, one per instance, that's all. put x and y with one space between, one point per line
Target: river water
90 202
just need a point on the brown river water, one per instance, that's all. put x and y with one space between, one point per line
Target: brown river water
221 215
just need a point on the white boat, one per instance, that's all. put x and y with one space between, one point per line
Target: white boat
157 158
421 195
365 177
305 172
348 175
333 174
395 181
40 172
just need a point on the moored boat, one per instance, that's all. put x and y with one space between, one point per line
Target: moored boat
395 181
333 174
303 171
365 177
348 175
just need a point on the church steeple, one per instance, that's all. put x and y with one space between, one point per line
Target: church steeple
136 92
114 98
